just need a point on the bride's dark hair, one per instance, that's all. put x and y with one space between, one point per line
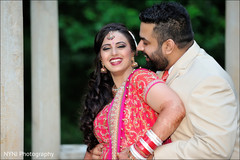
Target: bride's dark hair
100 85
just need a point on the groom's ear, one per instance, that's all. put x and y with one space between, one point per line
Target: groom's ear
168 46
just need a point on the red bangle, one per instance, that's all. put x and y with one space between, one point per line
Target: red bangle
143 149
150 142
147 144
145 156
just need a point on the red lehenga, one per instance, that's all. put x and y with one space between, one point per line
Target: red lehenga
127 118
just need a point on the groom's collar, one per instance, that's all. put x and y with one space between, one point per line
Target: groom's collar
182 62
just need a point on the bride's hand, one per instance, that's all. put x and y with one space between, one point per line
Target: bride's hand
97 151
124 154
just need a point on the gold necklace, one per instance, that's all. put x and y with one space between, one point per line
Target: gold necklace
114 88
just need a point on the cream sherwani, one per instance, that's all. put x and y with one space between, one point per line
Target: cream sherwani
210 129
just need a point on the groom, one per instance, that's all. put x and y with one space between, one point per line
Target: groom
210 129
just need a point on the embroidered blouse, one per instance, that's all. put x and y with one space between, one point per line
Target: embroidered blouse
128 117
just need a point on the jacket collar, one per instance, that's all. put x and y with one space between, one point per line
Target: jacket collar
182 63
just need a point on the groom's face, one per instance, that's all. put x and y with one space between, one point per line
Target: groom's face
155 59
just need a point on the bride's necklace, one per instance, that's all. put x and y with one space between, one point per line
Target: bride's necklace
114 88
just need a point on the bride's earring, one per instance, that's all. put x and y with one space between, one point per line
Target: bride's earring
103 69
134 64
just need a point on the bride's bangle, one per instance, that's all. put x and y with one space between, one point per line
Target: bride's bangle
148 143
135 153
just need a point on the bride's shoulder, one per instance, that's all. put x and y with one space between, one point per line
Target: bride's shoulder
143 71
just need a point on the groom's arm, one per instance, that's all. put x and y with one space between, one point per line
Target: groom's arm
213 114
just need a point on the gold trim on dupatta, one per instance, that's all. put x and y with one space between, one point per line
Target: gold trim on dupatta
114 119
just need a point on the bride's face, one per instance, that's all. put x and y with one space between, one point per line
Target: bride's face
116 53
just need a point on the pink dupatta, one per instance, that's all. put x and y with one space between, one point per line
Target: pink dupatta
115 114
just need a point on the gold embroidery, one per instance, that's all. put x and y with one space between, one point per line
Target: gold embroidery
113 120
138 117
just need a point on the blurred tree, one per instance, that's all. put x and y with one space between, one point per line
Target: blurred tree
80 20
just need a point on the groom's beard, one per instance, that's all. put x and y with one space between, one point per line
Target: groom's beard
151 65
157 62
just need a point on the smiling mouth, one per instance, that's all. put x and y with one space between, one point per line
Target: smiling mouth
116 61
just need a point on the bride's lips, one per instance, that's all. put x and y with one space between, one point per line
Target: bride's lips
115 61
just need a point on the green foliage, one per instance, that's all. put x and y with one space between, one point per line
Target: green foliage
208 23
80 20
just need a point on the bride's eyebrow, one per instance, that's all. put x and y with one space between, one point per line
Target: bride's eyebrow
105 45
108 44
121 42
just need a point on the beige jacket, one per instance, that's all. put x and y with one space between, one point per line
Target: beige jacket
210 129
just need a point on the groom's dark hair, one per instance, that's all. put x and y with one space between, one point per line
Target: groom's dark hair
171 20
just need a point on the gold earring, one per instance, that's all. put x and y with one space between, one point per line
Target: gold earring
134 64
103 69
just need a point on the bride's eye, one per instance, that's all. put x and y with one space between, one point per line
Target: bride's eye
122 46
106 48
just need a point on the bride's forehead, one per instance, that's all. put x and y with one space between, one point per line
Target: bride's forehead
115 36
